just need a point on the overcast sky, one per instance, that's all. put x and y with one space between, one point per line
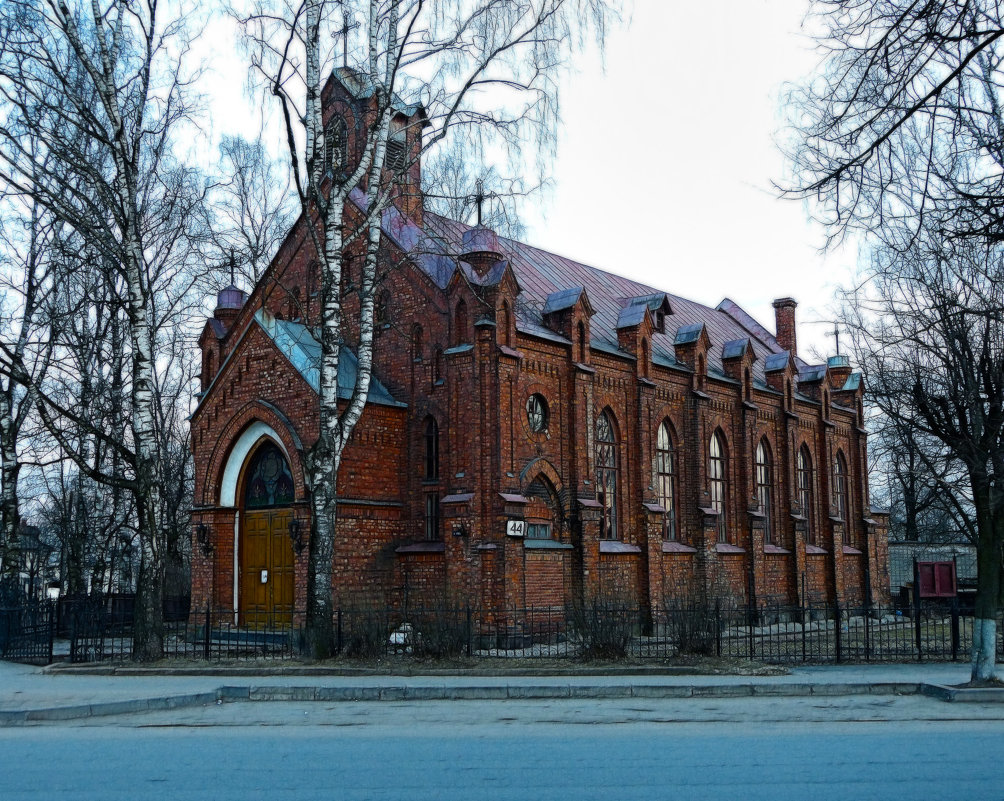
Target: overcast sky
667 155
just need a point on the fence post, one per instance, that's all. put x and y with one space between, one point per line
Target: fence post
917 611
805 622
206 634
52 627
955 628
718 627
470 633
839 634
338 631
868 643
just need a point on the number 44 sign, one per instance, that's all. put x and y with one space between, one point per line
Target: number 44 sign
516 528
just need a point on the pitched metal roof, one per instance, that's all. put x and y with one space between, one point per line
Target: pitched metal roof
297 343
541 275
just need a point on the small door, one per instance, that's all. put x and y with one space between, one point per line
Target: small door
267 569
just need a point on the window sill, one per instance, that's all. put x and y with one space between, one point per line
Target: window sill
815 549
673 546
851 550
431 546
724 547
546 545
768 548
614 546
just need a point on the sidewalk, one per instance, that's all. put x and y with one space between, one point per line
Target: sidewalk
35 694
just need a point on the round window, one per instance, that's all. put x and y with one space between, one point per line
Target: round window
536 413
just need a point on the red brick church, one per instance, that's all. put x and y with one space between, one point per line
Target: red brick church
538 432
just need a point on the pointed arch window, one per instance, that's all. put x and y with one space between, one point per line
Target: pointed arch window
335 145
417 344
269 481
804 480
503 325
431 448
437 366
840 500
665 468
763 475
606 475
460 322
718 481
381 309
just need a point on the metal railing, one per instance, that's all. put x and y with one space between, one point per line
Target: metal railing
26 633
102 629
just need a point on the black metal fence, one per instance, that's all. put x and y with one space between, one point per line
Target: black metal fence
101 629
26 633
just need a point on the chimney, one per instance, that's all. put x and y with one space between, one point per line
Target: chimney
784 319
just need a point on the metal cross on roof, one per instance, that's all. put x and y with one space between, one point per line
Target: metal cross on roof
479 197
233 266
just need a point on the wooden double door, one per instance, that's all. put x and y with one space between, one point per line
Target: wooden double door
267 569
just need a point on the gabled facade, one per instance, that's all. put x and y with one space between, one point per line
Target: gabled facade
539 432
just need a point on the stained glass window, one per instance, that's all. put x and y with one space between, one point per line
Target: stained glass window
269 481
717 486
805 494
764 490
536 413
606 475
665 464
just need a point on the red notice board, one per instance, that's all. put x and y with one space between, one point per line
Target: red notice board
936 579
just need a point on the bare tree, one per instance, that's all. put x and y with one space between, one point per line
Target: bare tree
100 85
476 72
252 206
902 126
24 257
929 332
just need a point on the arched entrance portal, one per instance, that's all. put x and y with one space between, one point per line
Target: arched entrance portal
266 584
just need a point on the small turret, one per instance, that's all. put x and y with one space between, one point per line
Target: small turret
229 302
481 249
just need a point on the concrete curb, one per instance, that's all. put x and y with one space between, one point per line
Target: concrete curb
307 670
496 692
966 695
14 717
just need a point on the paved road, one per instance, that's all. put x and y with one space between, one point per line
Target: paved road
878 747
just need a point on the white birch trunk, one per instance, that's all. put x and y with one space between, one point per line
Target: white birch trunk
149 620
984 649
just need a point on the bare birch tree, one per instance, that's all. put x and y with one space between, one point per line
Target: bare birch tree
484 73
24 258
101 87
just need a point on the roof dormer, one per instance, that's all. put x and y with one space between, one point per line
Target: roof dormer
634 336
658 308
692 344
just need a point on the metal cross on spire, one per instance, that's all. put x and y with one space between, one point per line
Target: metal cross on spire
233 267
344 31
835 333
